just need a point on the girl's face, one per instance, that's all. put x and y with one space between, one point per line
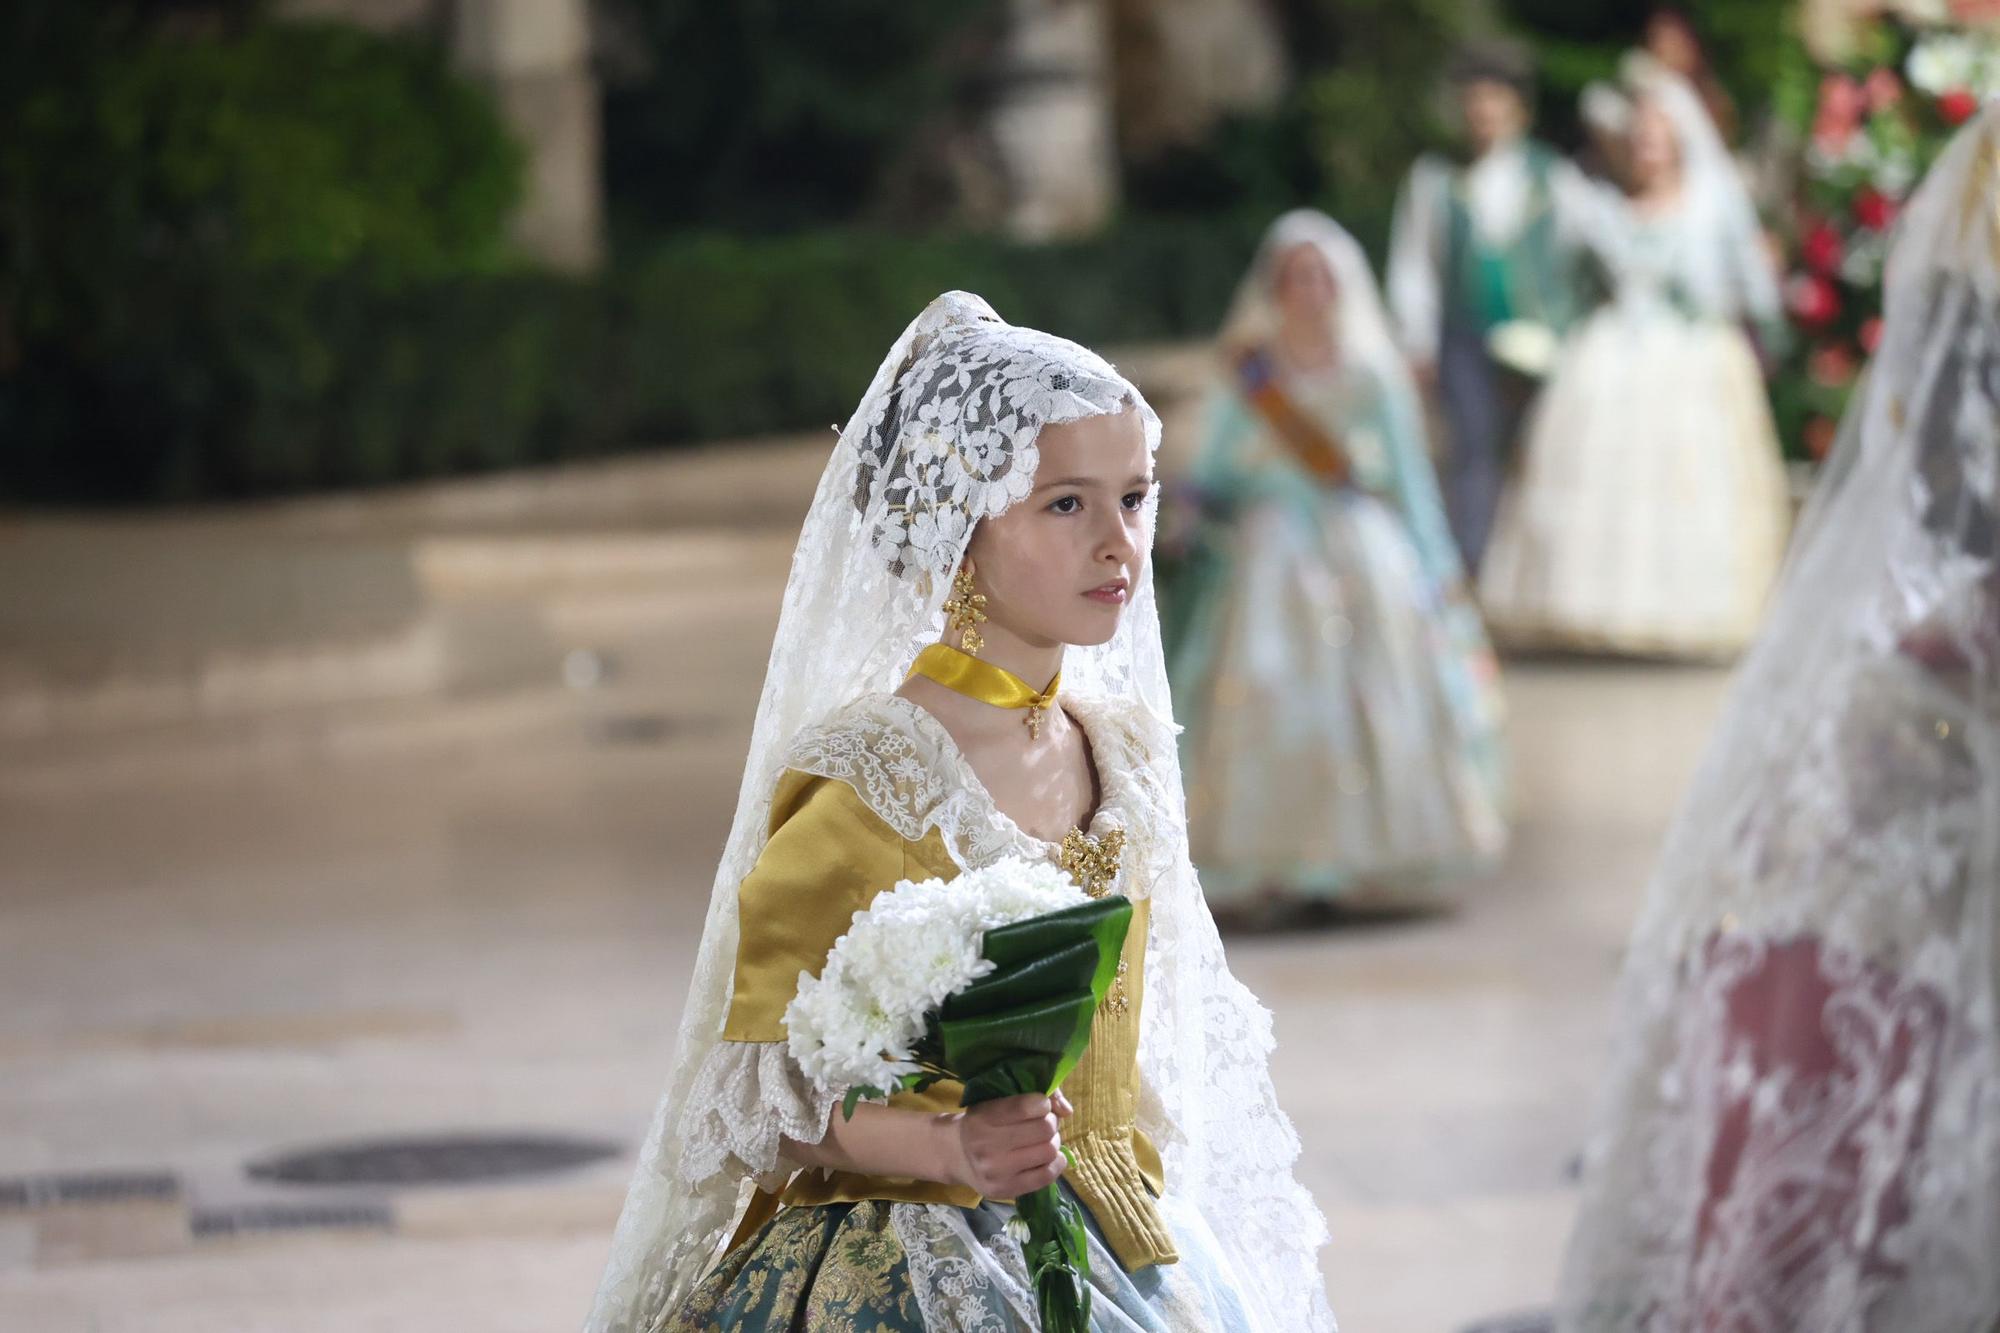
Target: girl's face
1656 152
1303 285
1060 566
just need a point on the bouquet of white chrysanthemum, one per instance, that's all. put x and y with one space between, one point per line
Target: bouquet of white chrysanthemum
992 979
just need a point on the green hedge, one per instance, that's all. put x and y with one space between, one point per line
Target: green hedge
279 382
728 336
216 246
241 257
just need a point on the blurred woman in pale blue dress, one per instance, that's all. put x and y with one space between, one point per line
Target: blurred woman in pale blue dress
1340 697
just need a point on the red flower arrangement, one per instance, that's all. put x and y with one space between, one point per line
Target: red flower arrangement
1957 106
1812 300
1873 209
1822 249
1873 124
1833 365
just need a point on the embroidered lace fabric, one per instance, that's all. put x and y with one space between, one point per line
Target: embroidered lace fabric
970 1277
1801 1128
748 1097
944 436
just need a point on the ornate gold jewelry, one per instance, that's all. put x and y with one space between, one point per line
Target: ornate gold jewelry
1093 864
965 674
965 611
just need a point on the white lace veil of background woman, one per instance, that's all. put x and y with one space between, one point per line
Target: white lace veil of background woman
1706 163
1361 327
1839 850
944 437
1712 186
1361 330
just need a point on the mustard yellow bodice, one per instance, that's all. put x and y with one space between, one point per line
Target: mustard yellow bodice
827 856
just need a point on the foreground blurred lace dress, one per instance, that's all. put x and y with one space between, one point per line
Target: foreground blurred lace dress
1180 1155
1649 510
1802 1125
1341 702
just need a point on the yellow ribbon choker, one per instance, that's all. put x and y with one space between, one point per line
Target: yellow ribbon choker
962 673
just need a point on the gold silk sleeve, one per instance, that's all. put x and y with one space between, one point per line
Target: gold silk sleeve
826 858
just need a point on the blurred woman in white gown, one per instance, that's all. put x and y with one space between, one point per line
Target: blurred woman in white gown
1339 694
1650 511
1802 1125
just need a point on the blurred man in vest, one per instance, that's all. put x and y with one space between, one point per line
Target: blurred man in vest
1482 275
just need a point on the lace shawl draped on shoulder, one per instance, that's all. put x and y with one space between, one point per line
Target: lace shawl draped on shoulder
904 765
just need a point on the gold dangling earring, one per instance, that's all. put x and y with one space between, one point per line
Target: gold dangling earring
965 611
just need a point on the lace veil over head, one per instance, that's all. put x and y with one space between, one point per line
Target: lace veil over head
1717 259
1707 168
1361 326
1839 851
946 436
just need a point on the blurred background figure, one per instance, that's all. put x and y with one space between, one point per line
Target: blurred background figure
1799 1130
1672 40
1340 699
1650 508
1482 275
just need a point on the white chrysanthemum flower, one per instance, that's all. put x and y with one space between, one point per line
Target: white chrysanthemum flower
842 1038
1017 900
910 963
1942 62
858 1022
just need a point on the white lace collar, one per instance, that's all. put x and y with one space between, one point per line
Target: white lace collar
906 766
1088 717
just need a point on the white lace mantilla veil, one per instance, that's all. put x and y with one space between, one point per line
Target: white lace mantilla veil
1728 276
944 437
1362 329
1807 1011
1708 170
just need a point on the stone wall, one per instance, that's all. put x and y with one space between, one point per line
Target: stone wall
1080 81
1051 120
1074 82
1181 65
535 55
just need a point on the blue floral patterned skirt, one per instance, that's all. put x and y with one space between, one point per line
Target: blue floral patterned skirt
843 1268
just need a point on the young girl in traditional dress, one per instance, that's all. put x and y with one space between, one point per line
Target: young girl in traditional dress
1340 698
968 667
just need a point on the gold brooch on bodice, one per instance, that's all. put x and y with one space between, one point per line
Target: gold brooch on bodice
1093 864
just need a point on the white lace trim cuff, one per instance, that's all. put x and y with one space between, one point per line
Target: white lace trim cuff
748 1097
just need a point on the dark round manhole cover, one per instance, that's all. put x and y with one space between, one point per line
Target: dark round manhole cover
435 1160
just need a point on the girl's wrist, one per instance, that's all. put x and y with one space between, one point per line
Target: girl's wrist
943 1151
